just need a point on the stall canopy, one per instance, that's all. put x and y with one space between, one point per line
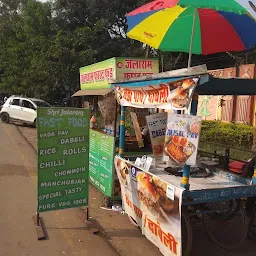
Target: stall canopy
151 82
208 85
99 92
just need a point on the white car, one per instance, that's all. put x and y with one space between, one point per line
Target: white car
21 109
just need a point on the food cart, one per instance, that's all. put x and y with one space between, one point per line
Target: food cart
96 93
163 191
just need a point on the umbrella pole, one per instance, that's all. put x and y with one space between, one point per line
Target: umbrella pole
192 39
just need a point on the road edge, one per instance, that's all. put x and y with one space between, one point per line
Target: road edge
24 137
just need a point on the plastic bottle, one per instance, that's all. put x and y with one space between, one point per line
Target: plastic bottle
92 122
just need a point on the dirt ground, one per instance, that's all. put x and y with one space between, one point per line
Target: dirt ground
128 240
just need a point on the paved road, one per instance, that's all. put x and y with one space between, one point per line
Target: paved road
67 233
18 203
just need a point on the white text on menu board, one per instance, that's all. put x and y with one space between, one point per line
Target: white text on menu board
55 122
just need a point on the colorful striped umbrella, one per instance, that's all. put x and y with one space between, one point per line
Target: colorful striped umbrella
170 27
235 6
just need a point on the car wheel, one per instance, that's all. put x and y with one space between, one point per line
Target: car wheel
5 118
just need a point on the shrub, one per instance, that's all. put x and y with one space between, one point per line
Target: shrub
229 134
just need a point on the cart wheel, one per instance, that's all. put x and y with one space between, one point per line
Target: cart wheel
225 210
187 234
227 228
133 221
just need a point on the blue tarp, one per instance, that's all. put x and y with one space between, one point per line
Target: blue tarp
150 82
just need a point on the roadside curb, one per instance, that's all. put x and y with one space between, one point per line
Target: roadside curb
30 144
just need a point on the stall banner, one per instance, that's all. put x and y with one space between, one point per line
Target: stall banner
154 204
174 95
157 124
63 135
182 137
101 160
97 76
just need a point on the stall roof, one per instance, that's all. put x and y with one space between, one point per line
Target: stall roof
210 85
151 82
184 72
99 92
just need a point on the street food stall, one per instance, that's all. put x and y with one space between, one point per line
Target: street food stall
162 191
96 93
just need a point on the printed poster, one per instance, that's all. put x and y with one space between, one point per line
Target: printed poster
108 109
101 160
63 135
173 95
154 204
182 137
157 124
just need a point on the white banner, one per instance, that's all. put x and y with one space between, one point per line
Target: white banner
174 95
154 204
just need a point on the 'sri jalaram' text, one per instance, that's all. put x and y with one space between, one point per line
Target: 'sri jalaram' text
139 64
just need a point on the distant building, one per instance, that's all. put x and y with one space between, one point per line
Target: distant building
240 109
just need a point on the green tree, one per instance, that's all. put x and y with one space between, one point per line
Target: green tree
26 40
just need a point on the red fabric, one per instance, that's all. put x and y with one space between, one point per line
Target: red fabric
217 34
154 6
236 166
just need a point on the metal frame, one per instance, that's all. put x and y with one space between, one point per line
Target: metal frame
186 169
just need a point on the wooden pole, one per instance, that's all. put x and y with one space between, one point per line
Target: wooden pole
147 51
192 40
122 132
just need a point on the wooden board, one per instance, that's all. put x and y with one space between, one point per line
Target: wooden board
108 109
137 130
86 104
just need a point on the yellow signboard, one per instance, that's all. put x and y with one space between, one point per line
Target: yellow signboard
97 76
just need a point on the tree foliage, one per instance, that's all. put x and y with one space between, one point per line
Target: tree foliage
43 45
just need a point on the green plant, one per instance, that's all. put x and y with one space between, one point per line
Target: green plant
229 134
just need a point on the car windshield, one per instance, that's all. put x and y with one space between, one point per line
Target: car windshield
40 103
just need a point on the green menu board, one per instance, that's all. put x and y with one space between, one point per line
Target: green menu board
63 164
101 159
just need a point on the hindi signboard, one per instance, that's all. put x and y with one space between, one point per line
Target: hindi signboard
97 76
154 204
135 67
171 95
101 160
63 143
